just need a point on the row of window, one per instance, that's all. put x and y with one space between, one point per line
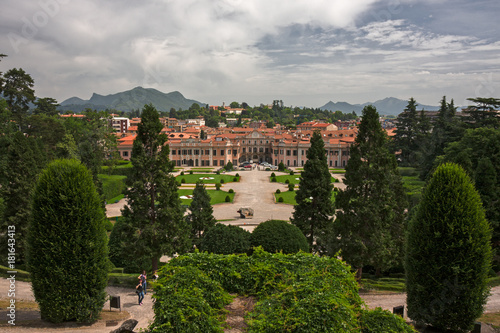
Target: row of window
260 150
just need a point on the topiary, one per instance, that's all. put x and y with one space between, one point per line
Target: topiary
190 172
235 179
231 190
287 181
448 253
278 235
273 174
227 199
278 191
217 186
217 172
222 181
291 187
274 180
280 199
67 244
182 173
183 181
225 239
237 175
292 173
378 320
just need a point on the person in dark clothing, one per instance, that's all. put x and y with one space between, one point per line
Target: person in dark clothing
140 292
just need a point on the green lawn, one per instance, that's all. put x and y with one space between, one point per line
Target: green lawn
192 179
337 170
293 179
202 169
289 197
112 186
215 196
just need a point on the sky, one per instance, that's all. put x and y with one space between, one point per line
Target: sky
304 52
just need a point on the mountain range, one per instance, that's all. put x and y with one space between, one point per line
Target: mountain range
387 106
130 100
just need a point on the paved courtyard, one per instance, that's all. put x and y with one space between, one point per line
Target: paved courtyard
254 190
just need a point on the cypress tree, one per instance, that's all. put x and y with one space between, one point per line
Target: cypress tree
369 225
314 208
448 253
405 139
153 211
201 217
67 244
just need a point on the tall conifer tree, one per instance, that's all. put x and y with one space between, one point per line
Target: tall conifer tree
201 217
314 208
154 209
369 226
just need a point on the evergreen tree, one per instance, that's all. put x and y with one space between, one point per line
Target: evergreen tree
405 139
314 208
369 227
154 209
484 113
446 129
47 106
21 160
201 216
67 251
448 253
18 92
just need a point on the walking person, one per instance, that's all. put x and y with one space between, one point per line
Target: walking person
140 292
143 278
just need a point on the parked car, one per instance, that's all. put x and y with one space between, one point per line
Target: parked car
248 166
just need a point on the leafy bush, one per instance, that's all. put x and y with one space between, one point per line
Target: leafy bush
378 320
278 235
278 191
281 167
217 172
273 175
227 199
222 181
280 199
190 172
292 173
182 173
229 166
274 180
183 181
187 300
225 239
268 169
231 190
217 186
237 175
287 181
67 252
291 187
108 225
235 179
112 186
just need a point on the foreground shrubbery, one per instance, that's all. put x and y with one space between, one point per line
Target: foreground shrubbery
278 235
297 293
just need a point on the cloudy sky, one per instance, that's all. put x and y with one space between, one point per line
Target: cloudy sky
304 52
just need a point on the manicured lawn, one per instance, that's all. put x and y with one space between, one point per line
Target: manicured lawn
337 170
211 178
293 179
215 196
112 186
289 197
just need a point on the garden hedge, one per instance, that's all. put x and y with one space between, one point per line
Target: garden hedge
278 235
225 239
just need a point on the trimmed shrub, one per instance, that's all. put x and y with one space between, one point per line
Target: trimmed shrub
280 199
225 239
291 187
378 320
274 180
227 199
237 175
292 173
217 172
190 172
183 181
235 179
278 191
182 173
281 167
67 244
448 253
268 169
222 181
287 181
231 190
273 175
278 235
229 166
217 186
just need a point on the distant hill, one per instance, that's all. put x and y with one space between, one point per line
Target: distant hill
387 106
130 100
